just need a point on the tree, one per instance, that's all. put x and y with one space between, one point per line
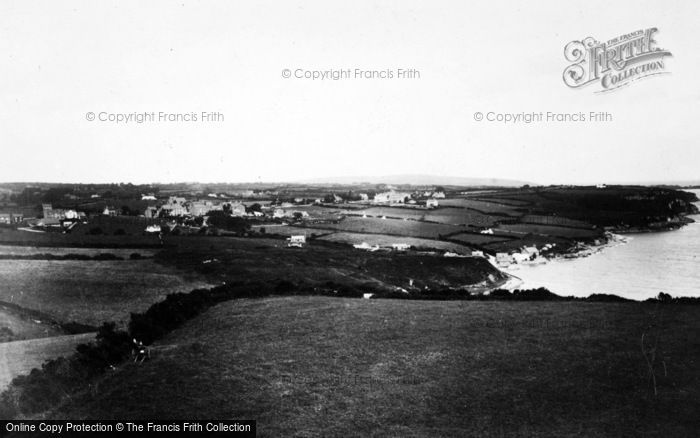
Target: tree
255 207
219 219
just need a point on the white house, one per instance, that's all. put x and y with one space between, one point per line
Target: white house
391 197
237 209
400 246
431 203
297 241
503 259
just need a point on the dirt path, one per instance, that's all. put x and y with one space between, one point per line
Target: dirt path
19 357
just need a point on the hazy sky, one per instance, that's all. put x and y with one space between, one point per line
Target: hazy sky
63 60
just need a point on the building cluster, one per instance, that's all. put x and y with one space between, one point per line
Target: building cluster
11 218
178 206
429 198
59 217
526 254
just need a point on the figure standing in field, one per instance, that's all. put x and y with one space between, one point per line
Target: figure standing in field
139 351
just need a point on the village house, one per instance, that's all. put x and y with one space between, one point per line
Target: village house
176 206
431 203
237 209
11 218
109 211
151 212
52 213
201 208
149 197
391 197
503 259
296 241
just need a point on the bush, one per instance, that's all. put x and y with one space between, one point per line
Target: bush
284 287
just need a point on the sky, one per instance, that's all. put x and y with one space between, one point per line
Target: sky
63 61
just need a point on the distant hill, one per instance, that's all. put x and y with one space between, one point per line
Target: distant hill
417 179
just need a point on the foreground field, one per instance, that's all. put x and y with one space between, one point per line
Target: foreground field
89 292
317 366
20 357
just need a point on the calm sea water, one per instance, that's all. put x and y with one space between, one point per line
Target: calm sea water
647 264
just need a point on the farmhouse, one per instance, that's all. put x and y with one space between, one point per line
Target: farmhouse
391 197
237 209
296 241
175 206
366 246
201 208
53 213
431 203
151 212
109 211
503 259
400 246
10 218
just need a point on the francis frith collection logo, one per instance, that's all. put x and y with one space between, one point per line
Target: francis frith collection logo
616 62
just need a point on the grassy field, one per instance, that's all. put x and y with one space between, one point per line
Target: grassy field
87 291
551 230
76 240
385 240
398 227
20 357
12 250
478 239
271 261
482 206
14 327
446 215
317 366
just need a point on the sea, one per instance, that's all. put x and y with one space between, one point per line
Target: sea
639 266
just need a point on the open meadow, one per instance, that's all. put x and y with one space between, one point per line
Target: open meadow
90 291
320 366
